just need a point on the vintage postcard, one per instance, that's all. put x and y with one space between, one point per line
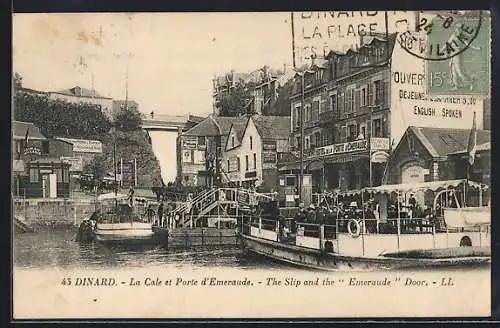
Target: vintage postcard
251 165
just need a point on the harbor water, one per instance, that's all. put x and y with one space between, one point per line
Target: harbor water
58 248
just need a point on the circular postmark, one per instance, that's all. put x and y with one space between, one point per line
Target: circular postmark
442 37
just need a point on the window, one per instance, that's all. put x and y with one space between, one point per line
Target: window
239 164
297 116
315 110
364 97
377 128
201 141
228 169
377 92
343 133
307 143
317 139
353 132
246 162
333 104
45 147
363 132
232 141
59 175
34 175
186 178
254 161
65 175
251 142
297 142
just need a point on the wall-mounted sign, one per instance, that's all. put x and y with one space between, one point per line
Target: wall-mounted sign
32 150
75 162
379 143
84 146
346 147
380 157
189 142
187 156
199 157
252 174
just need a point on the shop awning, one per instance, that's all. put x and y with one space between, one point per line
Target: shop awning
424 186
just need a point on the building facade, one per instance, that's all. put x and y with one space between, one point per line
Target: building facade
37 168
346 116
81 95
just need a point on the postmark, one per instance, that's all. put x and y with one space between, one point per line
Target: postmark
439 37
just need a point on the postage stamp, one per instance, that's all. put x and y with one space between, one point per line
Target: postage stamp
456 50
467 70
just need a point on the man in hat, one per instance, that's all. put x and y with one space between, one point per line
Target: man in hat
311 214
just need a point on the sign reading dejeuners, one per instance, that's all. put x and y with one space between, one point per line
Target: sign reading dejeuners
412 106
84 146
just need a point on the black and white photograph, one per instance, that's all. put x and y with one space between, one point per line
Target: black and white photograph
327 164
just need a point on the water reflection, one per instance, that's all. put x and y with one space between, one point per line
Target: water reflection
46 249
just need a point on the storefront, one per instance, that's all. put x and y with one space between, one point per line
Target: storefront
47 178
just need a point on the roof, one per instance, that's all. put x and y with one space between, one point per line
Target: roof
214 126
481 147
80 92
272 127
195 118
130 103
239 129
19 130
441 142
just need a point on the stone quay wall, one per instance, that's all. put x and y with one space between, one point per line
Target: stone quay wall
52 213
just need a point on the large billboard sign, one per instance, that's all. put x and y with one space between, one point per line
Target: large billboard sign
411 103
317 33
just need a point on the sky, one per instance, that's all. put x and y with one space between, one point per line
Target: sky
171 57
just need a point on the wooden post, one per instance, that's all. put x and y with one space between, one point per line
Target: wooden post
364 223
399 218
322 237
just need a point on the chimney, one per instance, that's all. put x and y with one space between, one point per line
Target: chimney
284 68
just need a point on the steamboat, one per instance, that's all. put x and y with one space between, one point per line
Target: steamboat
394 236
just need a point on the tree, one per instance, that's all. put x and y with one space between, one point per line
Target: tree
127 119
96 168
235 101
280 104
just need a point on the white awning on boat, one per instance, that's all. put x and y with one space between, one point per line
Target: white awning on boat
424 186
111 196
467 217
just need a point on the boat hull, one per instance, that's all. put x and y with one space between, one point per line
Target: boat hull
136 232
320 260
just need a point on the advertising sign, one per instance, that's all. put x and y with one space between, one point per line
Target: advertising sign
189 142
84 146
128 176
199 157
317 33
379 143
76 163
346 147
186 156
412 106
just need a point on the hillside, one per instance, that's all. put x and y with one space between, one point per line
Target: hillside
85 121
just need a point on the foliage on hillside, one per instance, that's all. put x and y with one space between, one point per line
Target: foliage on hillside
235 102
86 121
129 145
59 118
280 102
